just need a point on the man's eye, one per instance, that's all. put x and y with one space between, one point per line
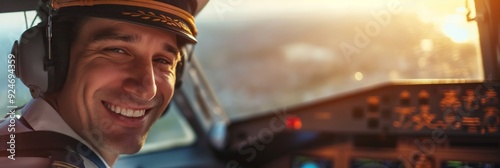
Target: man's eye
162 61
116 50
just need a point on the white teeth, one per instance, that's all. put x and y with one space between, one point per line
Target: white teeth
117 109
130 112
137 113
125 111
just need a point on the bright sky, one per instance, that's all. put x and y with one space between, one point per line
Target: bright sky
447 14
228 9
13 24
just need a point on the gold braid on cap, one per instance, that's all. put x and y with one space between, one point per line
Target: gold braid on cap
151 4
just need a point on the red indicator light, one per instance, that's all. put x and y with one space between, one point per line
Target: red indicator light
293 122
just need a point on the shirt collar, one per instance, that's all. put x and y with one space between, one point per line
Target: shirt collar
43 117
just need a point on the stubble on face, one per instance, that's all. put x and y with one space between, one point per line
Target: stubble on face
129 66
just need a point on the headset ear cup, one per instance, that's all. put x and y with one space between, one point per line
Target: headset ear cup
15 52
60 55
30 60
179 69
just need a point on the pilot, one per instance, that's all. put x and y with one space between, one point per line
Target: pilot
101 73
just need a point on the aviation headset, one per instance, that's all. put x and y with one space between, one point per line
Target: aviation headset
42 53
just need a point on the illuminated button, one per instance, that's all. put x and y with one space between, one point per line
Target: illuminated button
293 122
450 100
405 98
490 117
490 98
472 124
423 97
404 114
373 103
373 100
471 102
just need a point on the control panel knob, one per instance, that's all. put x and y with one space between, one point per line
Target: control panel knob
490 116
491 120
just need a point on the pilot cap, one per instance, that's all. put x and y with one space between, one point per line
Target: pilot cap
176 16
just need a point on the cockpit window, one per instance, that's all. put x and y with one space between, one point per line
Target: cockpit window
261 55
13 25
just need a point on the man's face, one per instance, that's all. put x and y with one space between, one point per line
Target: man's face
121 77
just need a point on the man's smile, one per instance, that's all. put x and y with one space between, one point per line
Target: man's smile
128 112
127 116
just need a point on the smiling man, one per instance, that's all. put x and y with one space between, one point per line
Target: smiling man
112 68
125 76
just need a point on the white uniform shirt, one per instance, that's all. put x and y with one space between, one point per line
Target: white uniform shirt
42 117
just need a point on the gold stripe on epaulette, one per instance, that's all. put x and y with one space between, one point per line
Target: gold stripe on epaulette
59 164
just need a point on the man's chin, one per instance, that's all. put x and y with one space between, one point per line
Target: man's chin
125 149
128 152
132 150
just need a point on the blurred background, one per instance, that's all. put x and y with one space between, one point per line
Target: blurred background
259 55
262 55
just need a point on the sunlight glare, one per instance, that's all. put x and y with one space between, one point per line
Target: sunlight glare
455 28
358 76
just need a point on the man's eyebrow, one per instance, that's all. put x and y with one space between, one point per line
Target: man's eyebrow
112 34
170 48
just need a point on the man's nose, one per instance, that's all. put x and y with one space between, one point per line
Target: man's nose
141 82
